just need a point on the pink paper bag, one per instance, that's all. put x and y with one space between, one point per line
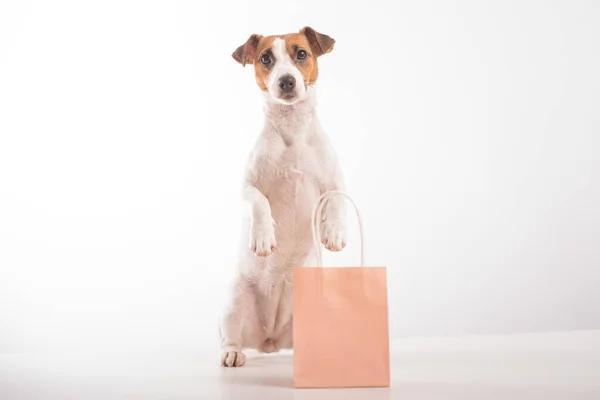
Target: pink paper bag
341 336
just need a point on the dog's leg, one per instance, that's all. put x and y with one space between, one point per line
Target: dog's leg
232 324
333 217
262 231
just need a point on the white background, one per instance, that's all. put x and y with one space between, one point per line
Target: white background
468 133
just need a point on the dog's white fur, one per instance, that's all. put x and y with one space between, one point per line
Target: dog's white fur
291 166
283 66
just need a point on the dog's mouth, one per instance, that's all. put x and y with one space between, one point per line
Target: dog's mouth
288 98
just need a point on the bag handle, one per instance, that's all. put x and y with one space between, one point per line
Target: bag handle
316 225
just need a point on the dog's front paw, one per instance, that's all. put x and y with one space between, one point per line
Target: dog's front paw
231 359
262 238
333 235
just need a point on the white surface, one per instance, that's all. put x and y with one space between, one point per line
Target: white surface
519 367
468 132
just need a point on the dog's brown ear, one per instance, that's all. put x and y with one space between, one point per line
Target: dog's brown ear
246 52
319 43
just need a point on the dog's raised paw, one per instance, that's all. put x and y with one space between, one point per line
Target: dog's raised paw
333 235
232 359
262 240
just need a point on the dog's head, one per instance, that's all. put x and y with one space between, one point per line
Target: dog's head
285 65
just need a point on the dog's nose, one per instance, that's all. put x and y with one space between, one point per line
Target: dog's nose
287 83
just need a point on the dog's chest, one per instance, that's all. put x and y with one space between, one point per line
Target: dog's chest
298 163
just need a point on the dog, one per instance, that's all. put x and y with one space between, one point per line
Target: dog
291 166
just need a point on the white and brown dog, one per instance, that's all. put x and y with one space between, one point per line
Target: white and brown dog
291 166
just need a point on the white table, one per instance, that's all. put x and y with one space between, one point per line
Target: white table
545 366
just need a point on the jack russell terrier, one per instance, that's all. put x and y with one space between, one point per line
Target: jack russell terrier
291 166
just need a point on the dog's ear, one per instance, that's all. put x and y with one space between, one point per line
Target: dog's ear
246 52
319 43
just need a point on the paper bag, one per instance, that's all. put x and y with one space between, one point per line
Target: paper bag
340 327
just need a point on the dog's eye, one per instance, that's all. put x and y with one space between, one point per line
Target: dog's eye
301 55
265 59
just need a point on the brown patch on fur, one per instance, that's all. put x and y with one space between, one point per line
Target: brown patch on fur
308 67
246 53
309 40
319 43
261 72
